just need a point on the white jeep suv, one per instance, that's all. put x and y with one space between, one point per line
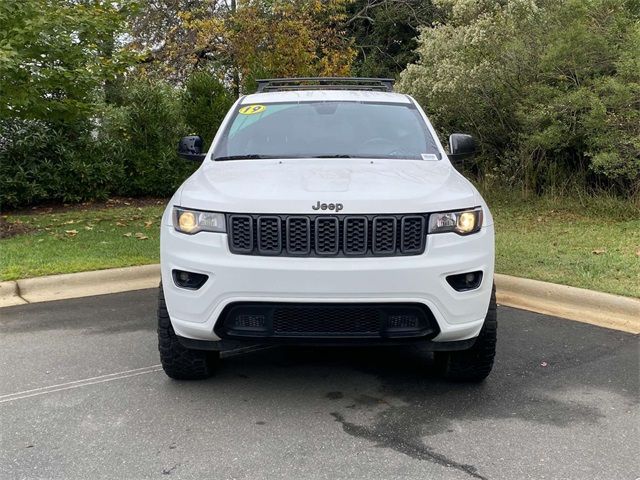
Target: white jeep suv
326 211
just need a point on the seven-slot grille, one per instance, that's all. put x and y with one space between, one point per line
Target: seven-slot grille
326 235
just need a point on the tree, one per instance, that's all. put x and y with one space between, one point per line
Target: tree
385 32
258 38
54 54
550 88
205 103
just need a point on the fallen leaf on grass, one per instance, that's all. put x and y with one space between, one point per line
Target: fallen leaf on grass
128 234
638 253
141 236
120 224
88 228
148 223
598 251
71 233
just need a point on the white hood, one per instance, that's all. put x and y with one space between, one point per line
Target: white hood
295 185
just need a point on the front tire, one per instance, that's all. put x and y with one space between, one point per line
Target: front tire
179 362
474 364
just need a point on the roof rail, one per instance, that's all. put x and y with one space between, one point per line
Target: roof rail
324 83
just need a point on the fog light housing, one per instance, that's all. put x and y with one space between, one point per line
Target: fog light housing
189 280
464 282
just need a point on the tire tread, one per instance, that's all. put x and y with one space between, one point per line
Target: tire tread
476 363
179 362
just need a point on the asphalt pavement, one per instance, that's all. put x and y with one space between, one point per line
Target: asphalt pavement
82 397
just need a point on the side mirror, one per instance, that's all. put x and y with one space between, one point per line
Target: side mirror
190 148
461 146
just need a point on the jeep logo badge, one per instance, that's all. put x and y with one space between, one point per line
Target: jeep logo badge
328 206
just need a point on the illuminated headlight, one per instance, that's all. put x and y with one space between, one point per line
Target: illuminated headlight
194 221
463 222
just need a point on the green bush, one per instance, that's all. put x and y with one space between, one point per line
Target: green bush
144 132
42 162
550 88
127 148
205 102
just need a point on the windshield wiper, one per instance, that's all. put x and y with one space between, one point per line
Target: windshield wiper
245 157
331 156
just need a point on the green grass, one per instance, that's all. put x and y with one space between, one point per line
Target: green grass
550 239
105 238
590 242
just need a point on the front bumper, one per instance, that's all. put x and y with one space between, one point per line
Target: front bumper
412 279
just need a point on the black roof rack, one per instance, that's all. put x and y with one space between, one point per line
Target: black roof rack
325 83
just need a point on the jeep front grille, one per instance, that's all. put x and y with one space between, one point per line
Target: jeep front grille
327 235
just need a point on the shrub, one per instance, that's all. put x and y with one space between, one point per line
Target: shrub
42 162
144 132
550 88
205 102
128 148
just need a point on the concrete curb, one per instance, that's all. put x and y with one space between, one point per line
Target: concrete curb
9 295
611 311
588 306
75 285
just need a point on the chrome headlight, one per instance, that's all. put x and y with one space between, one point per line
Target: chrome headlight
462 222
194 221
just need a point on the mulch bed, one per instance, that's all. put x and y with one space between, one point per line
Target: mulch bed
10 229
86 206
16 227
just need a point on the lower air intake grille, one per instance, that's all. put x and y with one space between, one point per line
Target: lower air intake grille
320 320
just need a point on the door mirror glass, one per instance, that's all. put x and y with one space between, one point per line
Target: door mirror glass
461 146
190 148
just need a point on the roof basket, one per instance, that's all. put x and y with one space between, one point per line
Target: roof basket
325 83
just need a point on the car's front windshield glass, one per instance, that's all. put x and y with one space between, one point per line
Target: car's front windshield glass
340 129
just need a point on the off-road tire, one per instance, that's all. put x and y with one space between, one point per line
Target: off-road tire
178 362
474 364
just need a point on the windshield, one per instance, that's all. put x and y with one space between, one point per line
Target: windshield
326 130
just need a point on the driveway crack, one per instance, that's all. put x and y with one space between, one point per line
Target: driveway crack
417 450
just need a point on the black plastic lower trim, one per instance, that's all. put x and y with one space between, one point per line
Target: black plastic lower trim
225 345
360 322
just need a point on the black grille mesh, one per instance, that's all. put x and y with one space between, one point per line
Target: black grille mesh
412 234
241 234
298 235
327 230
269 240
384 239
325 235
355 235
326 320
309 320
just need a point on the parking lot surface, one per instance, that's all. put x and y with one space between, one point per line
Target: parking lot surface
82 396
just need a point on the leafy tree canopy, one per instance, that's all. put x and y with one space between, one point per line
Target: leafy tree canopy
384 33
257 38
552 89
54 54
